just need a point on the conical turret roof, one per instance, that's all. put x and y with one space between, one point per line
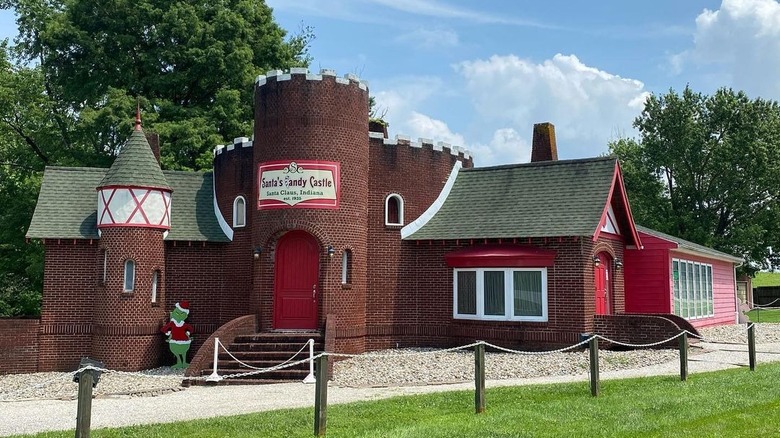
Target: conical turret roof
136 165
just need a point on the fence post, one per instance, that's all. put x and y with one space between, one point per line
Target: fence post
84 408
321 396
593 345
752 346
684 356
214 377
479 378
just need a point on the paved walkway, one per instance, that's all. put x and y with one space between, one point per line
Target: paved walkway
27 417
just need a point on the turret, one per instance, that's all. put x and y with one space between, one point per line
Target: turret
133 215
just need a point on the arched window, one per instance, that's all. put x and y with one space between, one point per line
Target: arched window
394 210
346 266
239 212
129 275
155 280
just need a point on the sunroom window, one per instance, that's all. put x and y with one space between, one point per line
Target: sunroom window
501 294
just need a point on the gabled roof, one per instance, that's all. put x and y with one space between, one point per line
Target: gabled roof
691 247
135 166
67 205
540 199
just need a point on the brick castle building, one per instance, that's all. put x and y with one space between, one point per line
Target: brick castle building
318 224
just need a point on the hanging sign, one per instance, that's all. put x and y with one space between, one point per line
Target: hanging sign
298 184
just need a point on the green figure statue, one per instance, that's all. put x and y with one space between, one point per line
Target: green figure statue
179 333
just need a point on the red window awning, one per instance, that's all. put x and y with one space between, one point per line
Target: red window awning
500 256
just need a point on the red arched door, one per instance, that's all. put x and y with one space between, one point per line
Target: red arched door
601 280
295 285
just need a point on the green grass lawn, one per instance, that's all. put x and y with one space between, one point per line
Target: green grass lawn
764 315
734 403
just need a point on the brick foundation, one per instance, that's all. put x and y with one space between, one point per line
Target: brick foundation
19 345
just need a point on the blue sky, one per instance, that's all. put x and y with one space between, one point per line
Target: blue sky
479 74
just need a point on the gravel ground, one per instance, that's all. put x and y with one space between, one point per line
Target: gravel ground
402 369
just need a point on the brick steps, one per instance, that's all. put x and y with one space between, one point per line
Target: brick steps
265 350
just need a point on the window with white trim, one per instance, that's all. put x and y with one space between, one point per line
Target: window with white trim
500 294
692 286
239 212
346 265
105 267
155 280
394 210
129 283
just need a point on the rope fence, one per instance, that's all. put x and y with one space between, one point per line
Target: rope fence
318 368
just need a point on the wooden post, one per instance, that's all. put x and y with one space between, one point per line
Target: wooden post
684 356
593 345
321 396
84 407
752 346
479 378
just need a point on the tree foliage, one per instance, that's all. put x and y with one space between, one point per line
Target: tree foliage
706 168
70 83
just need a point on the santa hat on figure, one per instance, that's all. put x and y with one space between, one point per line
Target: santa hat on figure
183 306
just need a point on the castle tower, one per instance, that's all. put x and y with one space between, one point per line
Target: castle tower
133 215
311 171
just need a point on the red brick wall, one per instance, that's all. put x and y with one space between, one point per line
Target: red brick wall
301 119
420 311
636 329
19 345
126 324
71 274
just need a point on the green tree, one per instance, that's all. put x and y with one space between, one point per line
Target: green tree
69 87
705 168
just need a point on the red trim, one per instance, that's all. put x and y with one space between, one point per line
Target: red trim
495 256
159 227
138 207
617 181
166 214
116 186
105 206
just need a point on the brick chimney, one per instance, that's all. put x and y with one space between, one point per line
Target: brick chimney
544 147
154 143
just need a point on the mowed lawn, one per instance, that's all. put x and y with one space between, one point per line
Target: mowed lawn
733 403
764 315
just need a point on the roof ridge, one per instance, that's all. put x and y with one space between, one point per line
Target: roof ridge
542 163
77 168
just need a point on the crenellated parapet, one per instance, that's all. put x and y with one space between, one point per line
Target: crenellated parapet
277 76
378 139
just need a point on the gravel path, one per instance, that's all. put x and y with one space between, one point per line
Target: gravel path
359 378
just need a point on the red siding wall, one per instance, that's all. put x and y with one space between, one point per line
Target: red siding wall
648 276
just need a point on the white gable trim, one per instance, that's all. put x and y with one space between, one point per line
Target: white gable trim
221 219
418 223
610 223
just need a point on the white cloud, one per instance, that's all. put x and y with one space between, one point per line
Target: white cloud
400 102
743 39
435 38
506 146
588 106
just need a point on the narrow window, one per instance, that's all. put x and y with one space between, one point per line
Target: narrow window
239 212
155 279
466 287
129 275
346 266
394 210
105 266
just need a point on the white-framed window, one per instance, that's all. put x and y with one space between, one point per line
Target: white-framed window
155 280
239 212
394 210
129 275
104 277
500 294
346 266
692 288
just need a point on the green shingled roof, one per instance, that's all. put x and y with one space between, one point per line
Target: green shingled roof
542 199
67 205
135 165
690 246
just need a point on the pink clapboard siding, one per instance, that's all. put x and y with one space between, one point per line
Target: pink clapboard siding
723 290
648 281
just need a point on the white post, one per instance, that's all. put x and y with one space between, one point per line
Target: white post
310 378
214 377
